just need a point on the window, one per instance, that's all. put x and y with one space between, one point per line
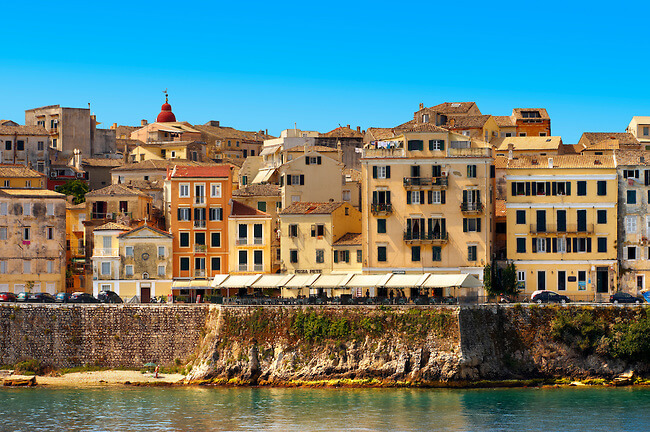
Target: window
161 271
293 230
128 270
6 183
471 224
261 206
40 146
580 244
243 260
312 160
320 255
436 253
216 214
185 263
318 230
521 279
646 131
436 145
631 197
631 252
244 180
522 134
630 224
7 145
3 209
381 172
347 196
199 238
436 197
293 256
3 266
413 145
27 266
415 253
582 188
521 217
184 190
27 209
602 244
184 239
471 171
161 251
542 134
381 226
561 245
602 188
381 253
258 237
415 197
49 209
128 251
215 264
215 190
49 233
541 245
106 268
27 234
471 253
521 245
601 216
3 233
215 240
359 255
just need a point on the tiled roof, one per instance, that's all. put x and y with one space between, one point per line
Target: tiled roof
378 134
355 175
316 148
343 132
156 164
452 107
23 130
70 206
8 123
500 162
312 208
221 133
212 171
31 193
412 126
102 162
504 121
531 143
258 190
632 157
113 226
624 138
115 189
349 239
19 171
562 161
125 131
239 209
516 113
140 228
571 148
144 184
461 122
500 208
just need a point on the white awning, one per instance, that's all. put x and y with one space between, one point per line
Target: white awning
269 150
406 280
452 280
181 284
301 281
269 281
218 280
263 175
368 281
332 281
240 281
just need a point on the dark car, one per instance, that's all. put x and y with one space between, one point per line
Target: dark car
7 297
623 297
22 297
62 297
80 297
109 297
550 297
41 297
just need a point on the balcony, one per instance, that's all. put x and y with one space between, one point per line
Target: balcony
377 208
201 248
242 241
565 229
424 237
54 131
199 272
471 207
243 267
393 152
258 268
416 182
258 241
200 200
469 152
199 223
106 252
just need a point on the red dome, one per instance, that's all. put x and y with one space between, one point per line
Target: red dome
166 115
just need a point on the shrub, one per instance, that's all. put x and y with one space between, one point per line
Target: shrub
631 340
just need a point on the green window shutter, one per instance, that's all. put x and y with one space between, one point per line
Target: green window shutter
429 197
443 198
336 256
464 224
374 172
408 197
478 224
388 172
442 144
421 197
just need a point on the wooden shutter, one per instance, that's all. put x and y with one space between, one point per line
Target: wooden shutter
534 244
288 179
387 197
514 189
374 197
318 160
534 186
442 144
567 187
429 197
548 244
421 197
179 215
568 245
408 197
374 172
443 196
336 256
588 244
302 179
527 188
548 188
554 188
464 196
478 224
443 226
388 172
554 244
306 160
575 244
464 224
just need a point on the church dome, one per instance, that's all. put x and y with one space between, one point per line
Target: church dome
166 115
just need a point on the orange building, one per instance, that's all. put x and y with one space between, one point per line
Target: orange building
199 200
531 122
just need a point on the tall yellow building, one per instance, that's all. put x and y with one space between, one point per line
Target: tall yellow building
429 195
561 223
251 235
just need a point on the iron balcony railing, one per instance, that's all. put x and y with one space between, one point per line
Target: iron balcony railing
258 267
199 272
200 248
471 207
106 252
434 237
562 229
425 181
243 267
199 223
242 241
199 200
381 208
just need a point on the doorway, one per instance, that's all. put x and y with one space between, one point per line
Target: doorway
541 280
601 280
145 294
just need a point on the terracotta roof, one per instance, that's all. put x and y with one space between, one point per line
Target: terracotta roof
102 162
504 121
242 210
349 239
355 175
31 193
378 134
221 133
343 132
632 157
312 208
212 171
530 143
8 123
144 184
113 226
19 171
563 161
157 164
500 162
23 130
412 126
70 206
140 228
500 208
258 190
452 107
125 131
116 189
624 138
572 148
316 148
461 122
516 113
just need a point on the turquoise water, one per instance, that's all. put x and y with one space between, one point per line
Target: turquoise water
267 409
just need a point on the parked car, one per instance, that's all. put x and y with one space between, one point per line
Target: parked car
547 296
109 297
80 297
623 297
7 297
22 297
62 297
41 297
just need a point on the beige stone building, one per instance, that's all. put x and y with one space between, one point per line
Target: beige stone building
25 145
639 127
33 235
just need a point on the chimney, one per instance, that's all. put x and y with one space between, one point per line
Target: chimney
114 126
359 129
266 131
348 126
511 147
143 122
421 105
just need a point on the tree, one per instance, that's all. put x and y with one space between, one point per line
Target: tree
509 280
76 188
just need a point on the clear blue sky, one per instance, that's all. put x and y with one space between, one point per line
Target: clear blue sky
255 65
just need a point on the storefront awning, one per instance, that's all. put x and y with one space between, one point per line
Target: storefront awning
406 280
301 281
181 284
331 281
218 280
263 175
368 281
271 281
452 280
239 281
269 150
200 284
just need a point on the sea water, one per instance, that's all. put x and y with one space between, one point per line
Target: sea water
127 408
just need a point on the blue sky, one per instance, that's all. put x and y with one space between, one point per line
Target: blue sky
256 65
